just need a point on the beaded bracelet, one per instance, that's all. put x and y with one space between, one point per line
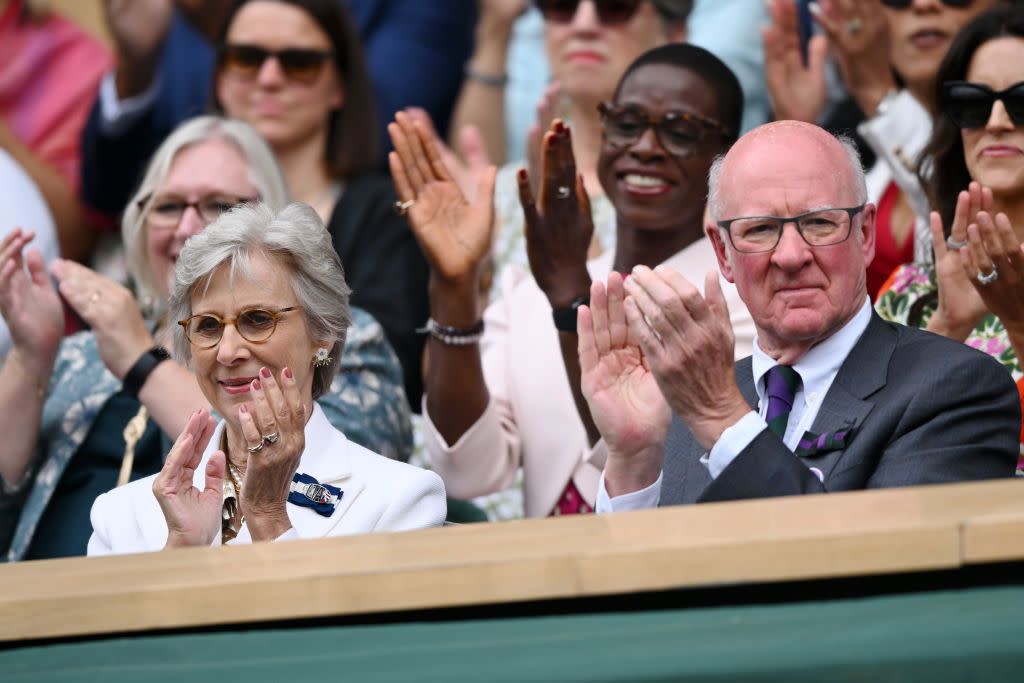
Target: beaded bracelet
453 336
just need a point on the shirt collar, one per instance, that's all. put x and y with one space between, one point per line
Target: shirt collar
819 366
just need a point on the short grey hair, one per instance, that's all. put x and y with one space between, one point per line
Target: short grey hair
853 156
264 173
294 236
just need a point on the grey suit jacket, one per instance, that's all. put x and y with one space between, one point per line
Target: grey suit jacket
920 409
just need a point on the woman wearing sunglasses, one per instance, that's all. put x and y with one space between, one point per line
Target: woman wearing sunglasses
503 392
293 69
888 53
263 312
974 166
100 408
589 44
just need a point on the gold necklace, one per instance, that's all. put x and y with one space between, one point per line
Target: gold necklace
232 497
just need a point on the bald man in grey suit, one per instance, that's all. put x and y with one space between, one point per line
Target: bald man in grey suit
833 398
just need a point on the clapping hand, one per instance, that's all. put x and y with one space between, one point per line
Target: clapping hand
274 428
559 227
623 395
960 307
466 168
28 302
994 263
109 309
797 90
455 234
193 516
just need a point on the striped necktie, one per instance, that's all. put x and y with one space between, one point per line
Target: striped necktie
780 387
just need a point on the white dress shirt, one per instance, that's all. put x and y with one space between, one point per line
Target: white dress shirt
817 369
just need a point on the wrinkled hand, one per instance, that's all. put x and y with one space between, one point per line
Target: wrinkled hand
28 301
277 407
559 226
862 55
468 167
960 307
109 309
688 341
193 516
548 108
454 233
623 395
993 245
798 91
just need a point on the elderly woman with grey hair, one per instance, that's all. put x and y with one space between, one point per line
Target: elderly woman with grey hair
100 408
262 309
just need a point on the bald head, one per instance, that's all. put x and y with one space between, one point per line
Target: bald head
796 147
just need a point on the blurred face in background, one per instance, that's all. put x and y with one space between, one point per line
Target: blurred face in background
588 55
920 35
276 74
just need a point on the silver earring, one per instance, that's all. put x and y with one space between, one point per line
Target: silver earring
322 359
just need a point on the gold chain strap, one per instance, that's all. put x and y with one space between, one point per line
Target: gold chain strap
132 433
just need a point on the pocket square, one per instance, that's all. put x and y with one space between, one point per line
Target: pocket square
307 492
815 444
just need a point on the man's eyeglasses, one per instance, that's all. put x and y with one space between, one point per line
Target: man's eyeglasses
969 105
205 330
904 4
679 132
609 12
298 64
821 228
167 211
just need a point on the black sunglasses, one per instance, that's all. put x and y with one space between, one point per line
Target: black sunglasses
298 64
904 4
608 11
969 105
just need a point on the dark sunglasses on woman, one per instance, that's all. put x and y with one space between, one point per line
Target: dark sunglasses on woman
608 11
904 4
969 105
679 132
298 64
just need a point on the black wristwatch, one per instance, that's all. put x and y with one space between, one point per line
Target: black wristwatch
139 372
565 318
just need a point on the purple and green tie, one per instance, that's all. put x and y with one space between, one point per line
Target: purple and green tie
780 384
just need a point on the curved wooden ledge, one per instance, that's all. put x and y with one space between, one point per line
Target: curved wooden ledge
815 537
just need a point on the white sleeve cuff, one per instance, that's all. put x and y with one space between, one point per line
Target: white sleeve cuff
117 114
637 500
733 441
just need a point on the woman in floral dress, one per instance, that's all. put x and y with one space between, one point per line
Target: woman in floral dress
975 290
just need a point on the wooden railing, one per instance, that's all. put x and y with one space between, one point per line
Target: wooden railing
814 537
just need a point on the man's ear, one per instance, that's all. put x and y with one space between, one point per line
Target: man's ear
714 233
868 232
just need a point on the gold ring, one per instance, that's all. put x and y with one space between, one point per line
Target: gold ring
253 450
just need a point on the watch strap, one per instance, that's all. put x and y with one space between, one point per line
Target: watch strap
141 369
565 318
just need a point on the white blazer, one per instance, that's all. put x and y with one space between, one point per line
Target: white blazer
378 495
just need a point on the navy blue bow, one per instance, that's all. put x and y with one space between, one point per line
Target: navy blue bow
308 492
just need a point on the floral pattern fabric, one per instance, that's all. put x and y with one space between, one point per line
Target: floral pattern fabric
366 402
902 300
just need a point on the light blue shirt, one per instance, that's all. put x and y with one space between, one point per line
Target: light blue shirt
817 369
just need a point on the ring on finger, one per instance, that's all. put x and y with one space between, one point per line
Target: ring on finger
271 438
988 278
253 450
562 192
403 207
853 26
955 245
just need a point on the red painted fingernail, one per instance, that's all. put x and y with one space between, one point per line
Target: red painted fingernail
265 372
288 373
256 385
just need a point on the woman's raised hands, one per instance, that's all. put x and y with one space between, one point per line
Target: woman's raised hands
454 233
193 515
28 301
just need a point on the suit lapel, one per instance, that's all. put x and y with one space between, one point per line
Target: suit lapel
860 376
